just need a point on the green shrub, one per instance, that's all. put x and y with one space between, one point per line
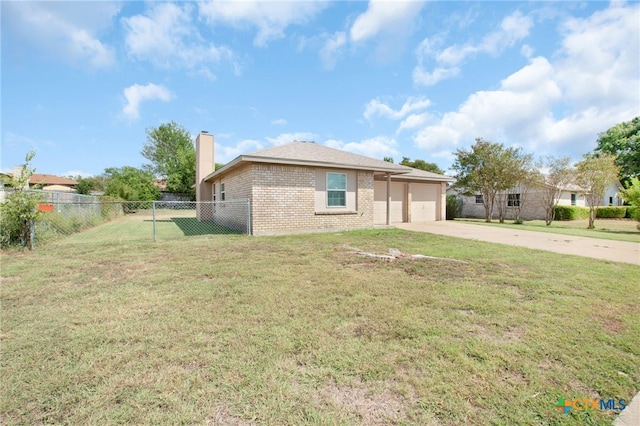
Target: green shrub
571 212
454 207
611 212
633 212
19 211
111 207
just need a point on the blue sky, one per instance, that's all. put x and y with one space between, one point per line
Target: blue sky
82 81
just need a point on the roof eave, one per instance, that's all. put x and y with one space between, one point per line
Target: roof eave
291 162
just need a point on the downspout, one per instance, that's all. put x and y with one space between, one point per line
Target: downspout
388 198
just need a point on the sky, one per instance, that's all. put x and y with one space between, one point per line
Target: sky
83 81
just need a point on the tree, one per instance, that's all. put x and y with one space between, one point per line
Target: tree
86 185
20 210
422 165
388 159
558 176
631 195
515 170
623 141
170 149
529 180
593 175
486 169
130 184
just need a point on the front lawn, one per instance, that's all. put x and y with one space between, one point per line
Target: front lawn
232 329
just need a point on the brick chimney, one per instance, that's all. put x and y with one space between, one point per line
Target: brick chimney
205 165
17 174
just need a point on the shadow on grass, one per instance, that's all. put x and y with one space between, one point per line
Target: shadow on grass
191 226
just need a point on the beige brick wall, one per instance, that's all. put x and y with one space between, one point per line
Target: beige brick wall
283 201
533 206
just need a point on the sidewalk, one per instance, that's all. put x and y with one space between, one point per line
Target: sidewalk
617 251
630 416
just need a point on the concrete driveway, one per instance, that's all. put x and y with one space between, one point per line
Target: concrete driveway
617 251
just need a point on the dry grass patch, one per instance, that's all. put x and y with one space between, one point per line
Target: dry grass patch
298 330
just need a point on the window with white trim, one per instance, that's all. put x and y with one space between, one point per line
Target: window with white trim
222 193
479 199
213 192
336 190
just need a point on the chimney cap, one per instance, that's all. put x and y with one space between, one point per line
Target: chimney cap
204 131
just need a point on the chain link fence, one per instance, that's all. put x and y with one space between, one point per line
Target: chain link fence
142 220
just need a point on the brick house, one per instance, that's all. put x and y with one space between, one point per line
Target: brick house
306 187
530 201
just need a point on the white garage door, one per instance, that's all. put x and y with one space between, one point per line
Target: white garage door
398 202
424 202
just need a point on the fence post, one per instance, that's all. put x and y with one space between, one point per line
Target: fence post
154 220
248 216
32 234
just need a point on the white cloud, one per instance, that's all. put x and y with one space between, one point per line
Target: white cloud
377 108
224 154
598 62
74 173
414 121
377 147
331 49
513 28
279 122
270 18
422 77
137 94
555 105
68 30
384 16
166 35
283 138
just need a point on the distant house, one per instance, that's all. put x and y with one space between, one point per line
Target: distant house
43 181
166 195
532 201
307 187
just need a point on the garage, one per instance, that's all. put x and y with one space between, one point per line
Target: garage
416 200
398 202
424 202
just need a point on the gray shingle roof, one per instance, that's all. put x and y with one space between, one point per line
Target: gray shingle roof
313 154
316 154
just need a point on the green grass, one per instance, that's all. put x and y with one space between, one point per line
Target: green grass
229 329
608 229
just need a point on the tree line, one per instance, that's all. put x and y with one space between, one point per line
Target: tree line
497 172
171 152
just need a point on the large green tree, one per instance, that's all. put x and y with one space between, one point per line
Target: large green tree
623 141
170 149
594 175
488 168
131 184
86 185
422 165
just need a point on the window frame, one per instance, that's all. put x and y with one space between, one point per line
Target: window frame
479 199
336 190
223 194
574 198
514 200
